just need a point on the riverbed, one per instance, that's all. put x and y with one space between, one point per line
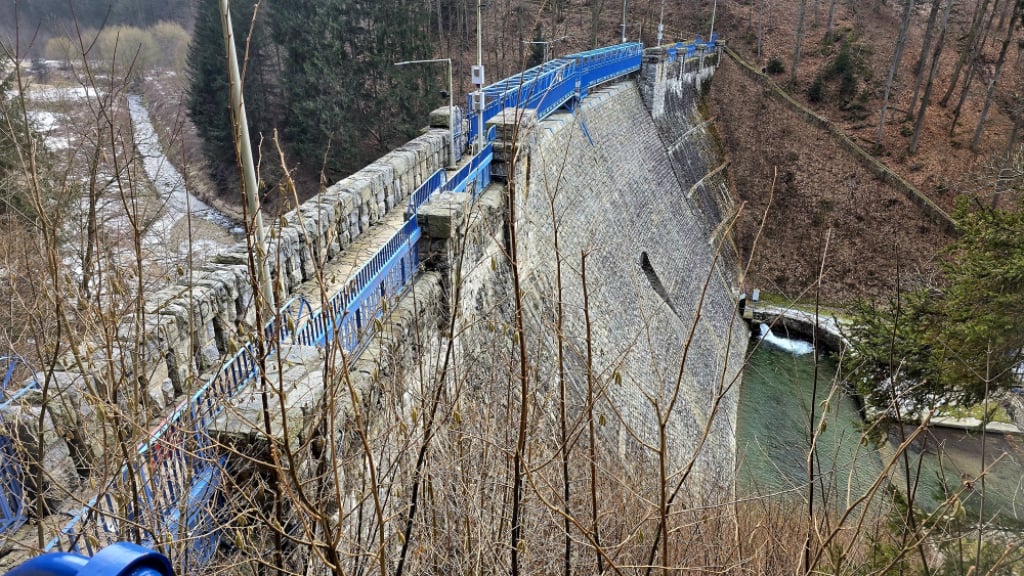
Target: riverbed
207 229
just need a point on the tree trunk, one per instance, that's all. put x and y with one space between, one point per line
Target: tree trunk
897 56
760 28
799 40
595 20
1002 17
972 66
931 77
1011 143
987 29
995 77
831 19
979 15
922 61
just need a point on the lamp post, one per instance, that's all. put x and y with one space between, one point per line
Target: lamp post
451 107
624 3
252 202
479 77
714 10
661 23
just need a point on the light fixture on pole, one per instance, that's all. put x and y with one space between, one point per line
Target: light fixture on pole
714 10
661 24
252 202
451 107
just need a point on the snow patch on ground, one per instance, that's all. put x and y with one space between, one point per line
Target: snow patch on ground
61 94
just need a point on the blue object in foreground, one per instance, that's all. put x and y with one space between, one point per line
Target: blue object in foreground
120 559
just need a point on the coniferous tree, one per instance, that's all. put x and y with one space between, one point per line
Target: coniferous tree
537 48
208 96
347 101
953 344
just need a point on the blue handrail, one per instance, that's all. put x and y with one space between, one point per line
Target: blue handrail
690 49
557 83
12 479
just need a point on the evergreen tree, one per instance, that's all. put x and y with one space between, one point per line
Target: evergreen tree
955 344
537 48
208 93
347 102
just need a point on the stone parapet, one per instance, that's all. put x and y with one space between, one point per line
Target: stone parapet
185 330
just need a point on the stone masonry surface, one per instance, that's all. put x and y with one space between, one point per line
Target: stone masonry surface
617 199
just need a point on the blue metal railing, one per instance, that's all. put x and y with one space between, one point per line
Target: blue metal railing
604 64
175 469
476 173
433 184
12 482
560 82
12 479
690 49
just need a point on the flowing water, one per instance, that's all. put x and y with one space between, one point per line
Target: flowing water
165 177
773 426
773 442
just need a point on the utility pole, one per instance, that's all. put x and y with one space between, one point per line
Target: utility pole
249 185
661 23
714 10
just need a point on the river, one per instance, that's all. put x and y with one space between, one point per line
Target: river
176 199
773 442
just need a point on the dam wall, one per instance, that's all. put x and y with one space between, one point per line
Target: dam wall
665 341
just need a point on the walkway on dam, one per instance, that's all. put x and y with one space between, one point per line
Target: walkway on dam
343 267
297 370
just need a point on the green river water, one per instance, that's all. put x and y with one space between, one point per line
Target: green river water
773 442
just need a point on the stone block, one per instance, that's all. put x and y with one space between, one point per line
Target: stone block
442 216
34 433
441 117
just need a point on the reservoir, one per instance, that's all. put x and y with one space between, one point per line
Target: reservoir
774 439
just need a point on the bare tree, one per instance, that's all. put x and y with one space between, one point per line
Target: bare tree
922 61
972 67
967 52
798 41
998 73
926 98
831 18
897 57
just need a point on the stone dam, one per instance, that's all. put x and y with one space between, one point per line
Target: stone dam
568 295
